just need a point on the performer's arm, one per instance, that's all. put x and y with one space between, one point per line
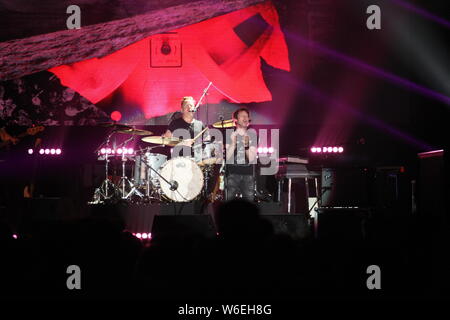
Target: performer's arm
167 134
231 147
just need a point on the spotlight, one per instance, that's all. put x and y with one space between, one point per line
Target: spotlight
47 151
41 151
58 151
52 151
340 149
144 236
108 151
102 150
271 150
30 151
138 235
330 149
313 149
265 150
335 149
130 151
119 151
260 150
318 150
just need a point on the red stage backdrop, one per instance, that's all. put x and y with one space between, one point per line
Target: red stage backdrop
156 72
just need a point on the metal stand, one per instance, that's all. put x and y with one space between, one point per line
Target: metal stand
124 181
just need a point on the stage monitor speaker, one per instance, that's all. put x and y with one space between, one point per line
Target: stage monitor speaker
345 187
341 225
294 225
179 226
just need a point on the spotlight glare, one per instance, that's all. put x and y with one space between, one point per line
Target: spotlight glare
144 236
47 151
265 150
271 150
325 149
102 150
335 149
340 149
319 149
108 151
313 149
41 151
58 151
149 235
138 235
260 150
130 151
330 149
30 151
119 151
52 151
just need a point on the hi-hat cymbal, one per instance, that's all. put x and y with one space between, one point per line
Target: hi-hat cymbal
138 132
162 140
224 124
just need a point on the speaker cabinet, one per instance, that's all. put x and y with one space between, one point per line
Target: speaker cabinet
180 226
345 187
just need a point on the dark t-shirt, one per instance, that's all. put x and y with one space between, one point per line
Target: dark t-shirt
194 128
241 162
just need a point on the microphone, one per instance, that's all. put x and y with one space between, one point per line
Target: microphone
221 118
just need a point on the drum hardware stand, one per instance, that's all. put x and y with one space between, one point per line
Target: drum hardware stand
124 179
102 193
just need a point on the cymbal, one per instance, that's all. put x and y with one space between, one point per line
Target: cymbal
224 124
112 124
138 132
162 140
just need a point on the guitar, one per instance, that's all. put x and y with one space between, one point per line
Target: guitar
30 132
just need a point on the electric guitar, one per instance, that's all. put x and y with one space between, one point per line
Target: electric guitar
30 132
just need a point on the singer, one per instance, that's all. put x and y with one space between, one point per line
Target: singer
186 126
241 156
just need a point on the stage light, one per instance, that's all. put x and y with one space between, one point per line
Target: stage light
271 150
102 150
313 149
52 151
265 149
149 235
318 150
47 151
119 151
108 151
335 149
58 151
144 236
260 150
340 149
130 150
30 151
15 236
41 151
330 149
138 235
116 116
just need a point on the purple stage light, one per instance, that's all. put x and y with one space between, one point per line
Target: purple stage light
58 151
102 150
335 149
260 150
30 151
340 149
313 149
41 151
130 150
119 151
265 150
271 150
47 151
52 151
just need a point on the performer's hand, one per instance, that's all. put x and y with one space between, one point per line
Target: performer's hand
187 142
233 137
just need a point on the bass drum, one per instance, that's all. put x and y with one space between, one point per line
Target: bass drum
184 173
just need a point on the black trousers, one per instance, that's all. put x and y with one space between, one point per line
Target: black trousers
242 184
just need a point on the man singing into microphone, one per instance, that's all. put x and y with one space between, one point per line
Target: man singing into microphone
241 158
186 127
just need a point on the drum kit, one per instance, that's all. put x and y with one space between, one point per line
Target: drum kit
154 178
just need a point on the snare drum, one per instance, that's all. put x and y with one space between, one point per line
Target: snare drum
185 178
